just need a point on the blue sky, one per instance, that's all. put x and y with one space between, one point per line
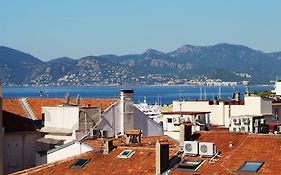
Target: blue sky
55 28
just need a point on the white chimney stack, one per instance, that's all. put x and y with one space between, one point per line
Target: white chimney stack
127 110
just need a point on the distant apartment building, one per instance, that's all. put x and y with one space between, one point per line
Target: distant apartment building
253 114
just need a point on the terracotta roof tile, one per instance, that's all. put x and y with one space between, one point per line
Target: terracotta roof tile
37 103
142 162
246 147
12 105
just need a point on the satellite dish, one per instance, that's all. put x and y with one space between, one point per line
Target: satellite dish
67 97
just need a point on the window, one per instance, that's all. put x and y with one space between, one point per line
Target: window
188 165
126 154
170 120
80 163
250 166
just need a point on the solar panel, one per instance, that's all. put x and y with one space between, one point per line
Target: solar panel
80 163
250 166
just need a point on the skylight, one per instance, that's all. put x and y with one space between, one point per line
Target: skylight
80 163
190 165
126 154
250 166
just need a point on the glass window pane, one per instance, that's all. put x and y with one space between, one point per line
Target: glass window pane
251 166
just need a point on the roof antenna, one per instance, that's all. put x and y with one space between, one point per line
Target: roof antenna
246 85
78 99
219 92
67 98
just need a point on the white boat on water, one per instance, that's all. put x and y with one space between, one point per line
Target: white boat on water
152 111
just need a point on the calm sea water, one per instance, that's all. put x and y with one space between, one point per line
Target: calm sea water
159 94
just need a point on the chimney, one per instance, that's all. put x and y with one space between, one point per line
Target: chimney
185 132
162 157
236 96
133 136
108 146
127 110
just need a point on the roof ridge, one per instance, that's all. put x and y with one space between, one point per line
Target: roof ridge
27 108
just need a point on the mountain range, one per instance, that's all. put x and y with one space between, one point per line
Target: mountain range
227 62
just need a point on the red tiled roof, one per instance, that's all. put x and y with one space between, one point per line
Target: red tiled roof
246 147
37 103
146 141
12 105
142 162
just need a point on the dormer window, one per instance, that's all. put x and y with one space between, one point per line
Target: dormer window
126 154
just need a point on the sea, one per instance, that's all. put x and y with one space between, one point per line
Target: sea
152 94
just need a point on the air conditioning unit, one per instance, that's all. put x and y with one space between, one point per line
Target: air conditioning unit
190 147
236 129
246 121
236 121
176 120
207 149
244 128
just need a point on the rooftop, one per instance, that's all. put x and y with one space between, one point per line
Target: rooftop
141 162
238 151
244 147
12 105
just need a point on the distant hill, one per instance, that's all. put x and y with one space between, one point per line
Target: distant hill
222 61
18 67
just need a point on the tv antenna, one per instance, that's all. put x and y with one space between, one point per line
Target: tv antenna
67 98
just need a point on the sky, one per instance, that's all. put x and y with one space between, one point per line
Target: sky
56 28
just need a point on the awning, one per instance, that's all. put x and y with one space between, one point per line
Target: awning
58 131
49 140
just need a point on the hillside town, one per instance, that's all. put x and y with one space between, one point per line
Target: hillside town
82 135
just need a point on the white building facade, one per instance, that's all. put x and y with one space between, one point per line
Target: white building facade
222 111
